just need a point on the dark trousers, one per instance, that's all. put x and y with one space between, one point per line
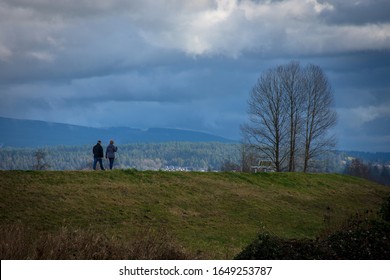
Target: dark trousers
95 161
111 162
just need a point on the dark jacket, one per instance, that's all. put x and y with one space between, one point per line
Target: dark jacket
98 151
110 151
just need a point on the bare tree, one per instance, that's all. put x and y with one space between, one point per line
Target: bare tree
40 160
290 115
357 168
291 79
267 129
318 114
248 155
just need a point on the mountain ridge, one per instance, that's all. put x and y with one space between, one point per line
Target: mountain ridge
34 133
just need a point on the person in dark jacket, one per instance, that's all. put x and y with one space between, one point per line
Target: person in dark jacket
110 153
98 155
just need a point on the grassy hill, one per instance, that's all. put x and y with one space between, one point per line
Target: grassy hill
207 215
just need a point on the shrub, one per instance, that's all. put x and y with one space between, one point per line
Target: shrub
362 240
385 210
359 238
270 247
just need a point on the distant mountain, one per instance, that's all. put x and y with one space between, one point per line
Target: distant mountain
30 133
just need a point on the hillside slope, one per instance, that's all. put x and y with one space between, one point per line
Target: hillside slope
213 215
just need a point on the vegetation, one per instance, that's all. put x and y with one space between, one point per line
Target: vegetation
175 156
379 173
141 156
361 238
129 214
21 242
290 115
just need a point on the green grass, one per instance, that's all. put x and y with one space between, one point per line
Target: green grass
211 215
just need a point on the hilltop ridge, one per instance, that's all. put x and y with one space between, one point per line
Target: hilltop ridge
31 133
214 214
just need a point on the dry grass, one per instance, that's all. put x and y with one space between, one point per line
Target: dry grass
18 242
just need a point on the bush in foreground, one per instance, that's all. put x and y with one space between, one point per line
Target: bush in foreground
370 240
359 238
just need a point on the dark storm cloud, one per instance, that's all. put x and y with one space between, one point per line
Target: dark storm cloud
357 12
357 75
188 64
50 10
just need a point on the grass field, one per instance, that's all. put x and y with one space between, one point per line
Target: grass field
207 215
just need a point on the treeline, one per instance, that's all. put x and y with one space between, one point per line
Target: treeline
376 172
141 156
206 156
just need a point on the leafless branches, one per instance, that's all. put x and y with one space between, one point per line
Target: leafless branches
290 114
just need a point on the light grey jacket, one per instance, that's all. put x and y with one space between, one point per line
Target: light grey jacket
110 151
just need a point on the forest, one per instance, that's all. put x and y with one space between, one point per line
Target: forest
187 156
141 156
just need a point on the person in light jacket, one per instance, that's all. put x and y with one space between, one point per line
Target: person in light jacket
110 153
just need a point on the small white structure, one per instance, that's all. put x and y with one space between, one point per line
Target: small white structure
263 166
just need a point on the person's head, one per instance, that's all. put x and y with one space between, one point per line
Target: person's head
99 142
111 142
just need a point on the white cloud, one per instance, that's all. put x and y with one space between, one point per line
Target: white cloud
358 116
232 27
207 27
42 56
321 7
5 53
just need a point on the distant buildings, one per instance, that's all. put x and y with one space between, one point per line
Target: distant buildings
181 168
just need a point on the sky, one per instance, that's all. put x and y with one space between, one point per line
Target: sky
191 64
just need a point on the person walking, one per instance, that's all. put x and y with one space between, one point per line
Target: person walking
110 153
98 155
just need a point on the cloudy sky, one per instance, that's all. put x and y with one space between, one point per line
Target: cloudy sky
190 64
